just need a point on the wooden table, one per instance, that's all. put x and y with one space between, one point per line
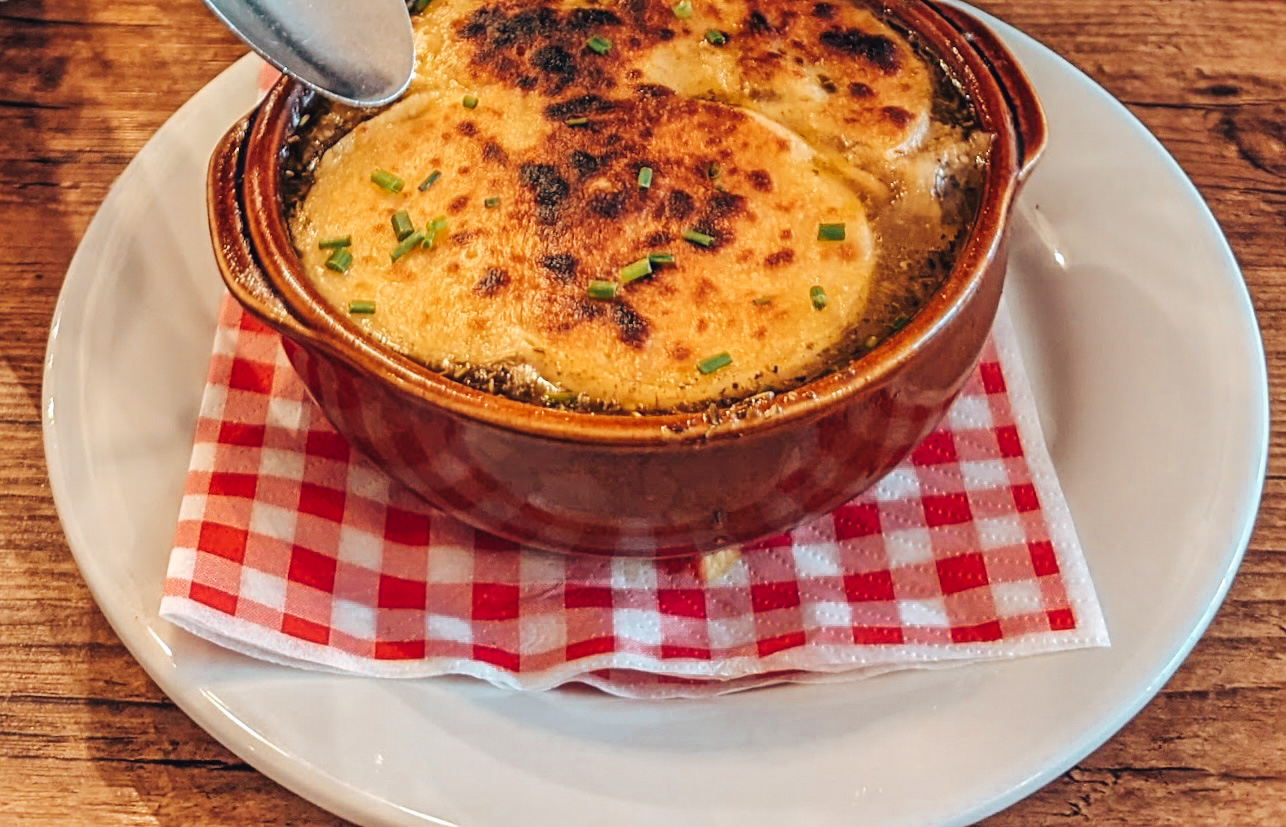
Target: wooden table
86 737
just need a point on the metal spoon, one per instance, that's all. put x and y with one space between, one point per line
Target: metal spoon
360 52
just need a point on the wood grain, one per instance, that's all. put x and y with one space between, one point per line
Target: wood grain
86 737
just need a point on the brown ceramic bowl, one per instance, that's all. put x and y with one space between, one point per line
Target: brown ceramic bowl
650 486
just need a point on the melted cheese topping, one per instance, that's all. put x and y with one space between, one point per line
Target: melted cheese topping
804 116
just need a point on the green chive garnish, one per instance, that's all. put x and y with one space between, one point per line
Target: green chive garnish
645 178
408 244
431 180
698 237
402 226
470 101
577 120
491 202
436 227
560 397
419 6
661 258
599 44
387 180
363 306
715 37
340 260
830 232
335 243
818 296
715 362
872 341
599 289
762 300
636 270
900 322
682 9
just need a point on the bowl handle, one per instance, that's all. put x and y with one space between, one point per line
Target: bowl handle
1029 117
241 271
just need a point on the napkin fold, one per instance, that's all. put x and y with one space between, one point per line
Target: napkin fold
292 548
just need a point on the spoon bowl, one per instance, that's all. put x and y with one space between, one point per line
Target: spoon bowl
359 53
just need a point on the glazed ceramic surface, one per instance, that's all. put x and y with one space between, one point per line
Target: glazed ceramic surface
1148 372
645 486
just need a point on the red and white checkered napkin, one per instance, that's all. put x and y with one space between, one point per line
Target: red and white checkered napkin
292 548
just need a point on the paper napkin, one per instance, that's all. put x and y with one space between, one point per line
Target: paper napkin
293 548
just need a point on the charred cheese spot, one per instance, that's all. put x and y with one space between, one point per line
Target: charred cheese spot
494 153
632 328
492 282
777 259
548 189
760 180
897 116
877 49
562 265
752 144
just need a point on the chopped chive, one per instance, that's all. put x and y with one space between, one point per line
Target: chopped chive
363 306
431 180
599 289
645 178
408 244
491 202
402 226
661 258
333 243
830 232
577 120
715 362
817 294
682 9
470 101
698 237
419 6
387 180
340 260
872 341
599 44
762 300
715 37
431 232
636 270
559 397
899 322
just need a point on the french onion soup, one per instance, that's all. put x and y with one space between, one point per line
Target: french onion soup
645 205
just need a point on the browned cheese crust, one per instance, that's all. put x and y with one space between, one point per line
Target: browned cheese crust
800 117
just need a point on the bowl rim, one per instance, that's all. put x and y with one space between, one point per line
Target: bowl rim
262 217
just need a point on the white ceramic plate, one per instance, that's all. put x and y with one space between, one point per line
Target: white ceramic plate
1150 378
